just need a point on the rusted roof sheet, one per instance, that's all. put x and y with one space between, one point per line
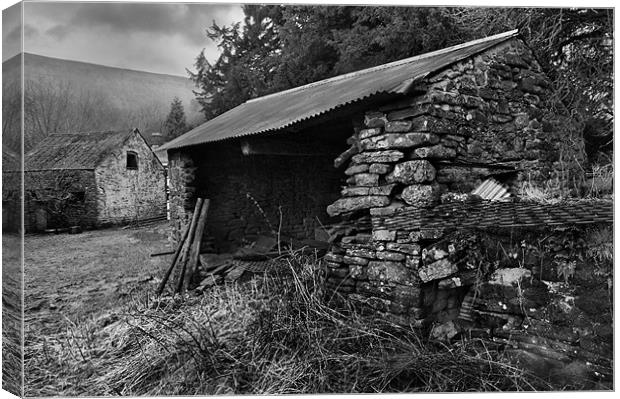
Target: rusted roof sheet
493 215
73 150
279 110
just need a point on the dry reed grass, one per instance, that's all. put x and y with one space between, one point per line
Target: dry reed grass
271 335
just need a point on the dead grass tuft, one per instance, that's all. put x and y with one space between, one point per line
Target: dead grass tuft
271 335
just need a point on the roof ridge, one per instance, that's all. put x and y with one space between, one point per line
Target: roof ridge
86 133
404 61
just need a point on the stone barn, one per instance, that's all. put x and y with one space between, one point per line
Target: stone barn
92 180
454 116
426 169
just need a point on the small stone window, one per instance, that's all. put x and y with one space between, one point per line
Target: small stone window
132 160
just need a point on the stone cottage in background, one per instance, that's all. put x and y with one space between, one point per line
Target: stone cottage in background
92 180
11 189
388 157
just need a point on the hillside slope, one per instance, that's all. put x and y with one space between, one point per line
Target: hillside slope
101 97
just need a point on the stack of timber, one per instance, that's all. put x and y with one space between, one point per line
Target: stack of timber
186 255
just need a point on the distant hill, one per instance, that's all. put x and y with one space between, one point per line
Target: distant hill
100 97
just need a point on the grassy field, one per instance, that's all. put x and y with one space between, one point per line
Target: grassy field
72 281
94 328
11 314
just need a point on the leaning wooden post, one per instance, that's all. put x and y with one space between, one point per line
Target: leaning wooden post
195 246
190 237
162 284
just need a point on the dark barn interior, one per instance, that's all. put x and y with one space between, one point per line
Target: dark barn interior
266 185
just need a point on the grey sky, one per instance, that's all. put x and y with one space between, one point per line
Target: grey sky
156 37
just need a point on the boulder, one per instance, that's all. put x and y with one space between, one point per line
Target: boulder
419 171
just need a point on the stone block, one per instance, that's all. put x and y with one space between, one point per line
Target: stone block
398 141
437 270
378 157
379 168
390 272
355 191
386 189
361 252
434 152
383 235
388 210
409 249
426 234
419 171
398 126
433 254
391 256
355 260
351 204
330 257
366 179
421 195
432 124
366 133
355 169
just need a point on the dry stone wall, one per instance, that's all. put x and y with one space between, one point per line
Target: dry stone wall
491 115
494 115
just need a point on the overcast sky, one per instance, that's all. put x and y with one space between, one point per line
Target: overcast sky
163 38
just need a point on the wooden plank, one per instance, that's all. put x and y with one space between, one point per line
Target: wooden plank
188 243
162 284
195 247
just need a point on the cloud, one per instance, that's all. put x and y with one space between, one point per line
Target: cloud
157 37
187 20
59 31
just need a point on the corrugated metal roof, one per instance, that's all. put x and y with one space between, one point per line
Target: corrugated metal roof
279 110
73 150
492 190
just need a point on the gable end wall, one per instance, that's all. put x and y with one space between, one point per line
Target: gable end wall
125 195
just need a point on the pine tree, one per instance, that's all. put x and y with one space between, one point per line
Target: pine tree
175 124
